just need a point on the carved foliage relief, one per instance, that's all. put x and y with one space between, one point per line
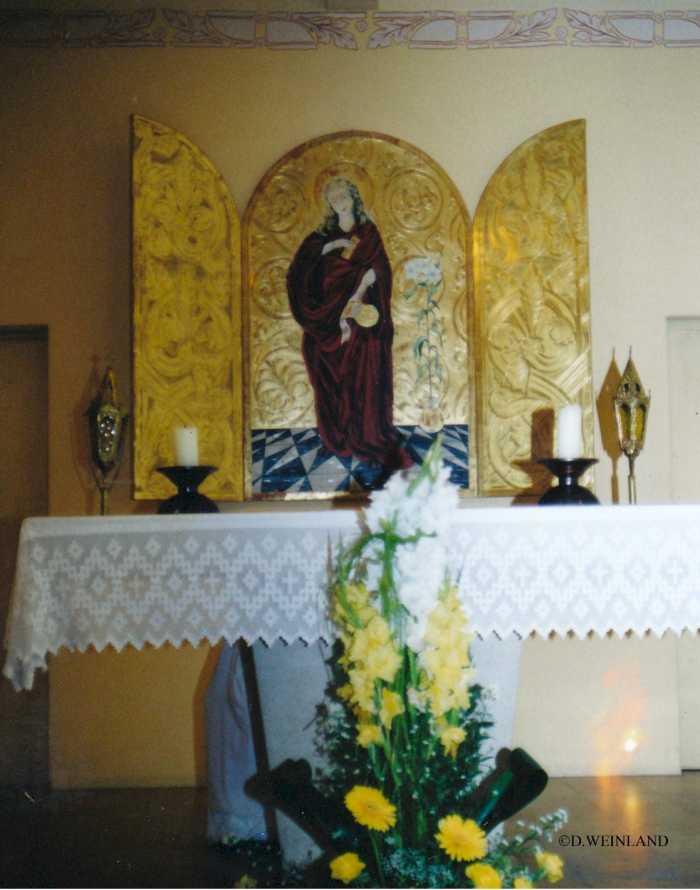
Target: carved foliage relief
426 233
187 329
531 289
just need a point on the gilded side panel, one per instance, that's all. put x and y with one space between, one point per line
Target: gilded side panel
186 324
426 232
532 299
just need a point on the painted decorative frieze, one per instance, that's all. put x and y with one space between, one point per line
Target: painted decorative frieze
287 30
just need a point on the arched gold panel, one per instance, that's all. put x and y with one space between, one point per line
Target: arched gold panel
421 216
533 311
187 311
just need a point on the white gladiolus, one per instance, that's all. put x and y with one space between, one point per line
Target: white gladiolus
428 509
425 513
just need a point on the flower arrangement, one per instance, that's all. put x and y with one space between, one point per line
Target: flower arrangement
405 725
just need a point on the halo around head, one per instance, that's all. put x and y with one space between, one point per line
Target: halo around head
346 171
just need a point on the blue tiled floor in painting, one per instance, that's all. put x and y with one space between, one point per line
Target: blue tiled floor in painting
295 460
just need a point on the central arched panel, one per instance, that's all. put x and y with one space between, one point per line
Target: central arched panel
410 226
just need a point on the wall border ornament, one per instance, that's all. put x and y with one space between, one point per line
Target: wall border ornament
285 30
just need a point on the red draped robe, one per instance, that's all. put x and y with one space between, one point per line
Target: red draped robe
352 381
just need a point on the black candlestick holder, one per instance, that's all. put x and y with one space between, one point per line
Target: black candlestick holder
567 472
187 499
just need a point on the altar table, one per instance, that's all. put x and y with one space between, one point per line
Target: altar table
263 576
153 579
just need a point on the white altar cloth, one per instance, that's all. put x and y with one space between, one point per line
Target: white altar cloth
262 575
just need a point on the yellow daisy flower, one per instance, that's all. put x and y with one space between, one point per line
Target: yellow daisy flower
552 865
461 839
370 808
347 867
483 875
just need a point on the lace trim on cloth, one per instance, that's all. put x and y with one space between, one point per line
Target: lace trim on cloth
156 579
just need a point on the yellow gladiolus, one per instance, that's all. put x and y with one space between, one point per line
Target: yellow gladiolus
362 689
522 883
383 662
445 659
451 739
439 699
448 675
366 614
374 636
416 698
392 706
368 734
357 594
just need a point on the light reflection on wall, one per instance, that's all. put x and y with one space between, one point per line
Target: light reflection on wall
631 742
616 732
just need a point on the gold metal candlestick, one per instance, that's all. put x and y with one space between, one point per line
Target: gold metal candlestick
631 411
107 423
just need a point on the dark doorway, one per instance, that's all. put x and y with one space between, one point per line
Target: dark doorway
23 492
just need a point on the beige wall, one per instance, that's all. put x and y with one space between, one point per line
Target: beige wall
64 168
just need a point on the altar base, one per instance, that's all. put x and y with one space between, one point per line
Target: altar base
292 680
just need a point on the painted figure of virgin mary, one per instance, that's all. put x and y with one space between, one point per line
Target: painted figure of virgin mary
339 286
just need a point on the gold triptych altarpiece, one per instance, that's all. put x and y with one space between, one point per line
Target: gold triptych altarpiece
491 322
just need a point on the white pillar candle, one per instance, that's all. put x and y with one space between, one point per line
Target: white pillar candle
569 434
186 446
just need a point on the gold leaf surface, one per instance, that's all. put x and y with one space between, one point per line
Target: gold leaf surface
187 328
532 301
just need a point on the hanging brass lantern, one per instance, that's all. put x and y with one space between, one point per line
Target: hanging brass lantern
631 412
107 423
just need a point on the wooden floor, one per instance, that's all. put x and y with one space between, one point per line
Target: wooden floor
632 805
155 837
